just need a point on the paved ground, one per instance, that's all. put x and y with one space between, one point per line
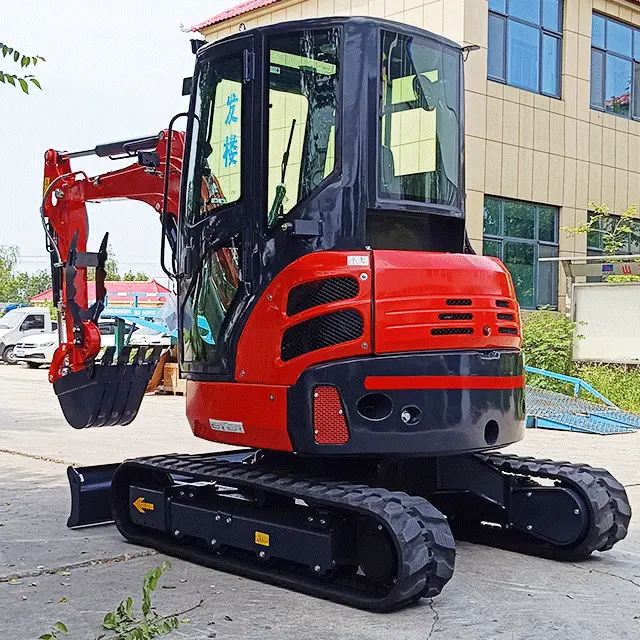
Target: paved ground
76 576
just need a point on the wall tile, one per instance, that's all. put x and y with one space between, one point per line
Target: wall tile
376 8
476 22
622 150
569 190
595 143
570 137
475 149
474 208
525 174
512 94
583 99
453 20
571 16
608 147
621 199
540 130
493 168
556 134
622 124
541 102
475 72
510 119
494 119
414 16
526 97
434 17
608 186
509 171
342 7
594 193
584 57
570 51
634 153
582 184
634 189
475 114
556 180
584 16
570 96
495 89
540 176
525 135
582 140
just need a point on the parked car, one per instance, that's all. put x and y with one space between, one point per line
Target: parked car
20 323
146 336
37 350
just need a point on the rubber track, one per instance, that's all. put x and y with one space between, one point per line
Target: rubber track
424 544
609 507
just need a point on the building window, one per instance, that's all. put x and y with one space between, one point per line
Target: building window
519 233
525 44
615 67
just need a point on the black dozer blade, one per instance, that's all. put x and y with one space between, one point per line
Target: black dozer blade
108 392
90 494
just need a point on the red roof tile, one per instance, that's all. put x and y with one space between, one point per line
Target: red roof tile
121 288
238 10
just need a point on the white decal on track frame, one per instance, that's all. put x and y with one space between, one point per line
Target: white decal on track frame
358 261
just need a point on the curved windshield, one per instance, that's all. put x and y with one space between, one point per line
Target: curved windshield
419 124
11 319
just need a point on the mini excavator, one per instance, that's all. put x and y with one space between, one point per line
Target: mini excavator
334 324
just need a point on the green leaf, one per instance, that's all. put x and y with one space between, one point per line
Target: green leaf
25 61
23 85
62 626
35 81
10 50
2 77
16 56
5 50
10 79
35 60
46 636
110 621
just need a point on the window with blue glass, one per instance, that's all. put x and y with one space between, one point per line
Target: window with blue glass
615 67
525 44
519 233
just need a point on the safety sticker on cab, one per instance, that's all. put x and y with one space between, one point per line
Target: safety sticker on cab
226 425
357 261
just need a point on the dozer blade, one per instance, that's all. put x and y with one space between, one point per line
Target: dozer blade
108 392
90 494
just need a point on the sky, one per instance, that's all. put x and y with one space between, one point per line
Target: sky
113 71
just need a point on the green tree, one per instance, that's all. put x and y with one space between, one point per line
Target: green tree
111 267
615 231
135 277
19 286
9 54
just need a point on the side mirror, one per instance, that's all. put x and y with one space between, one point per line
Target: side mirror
187 83
423 88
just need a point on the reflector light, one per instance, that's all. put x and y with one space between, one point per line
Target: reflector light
329 424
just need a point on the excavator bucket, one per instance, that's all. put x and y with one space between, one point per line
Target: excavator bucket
110 391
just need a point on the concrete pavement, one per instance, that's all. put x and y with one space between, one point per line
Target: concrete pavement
493 594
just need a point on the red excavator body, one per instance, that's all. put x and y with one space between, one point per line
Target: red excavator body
332 317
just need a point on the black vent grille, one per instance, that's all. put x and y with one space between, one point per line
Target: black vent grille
459 302
313 294
452 331
508 330
320 332
456 316
502 303
506 316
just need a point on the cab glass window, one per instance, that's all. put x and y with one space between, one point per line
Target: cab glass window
304 75
419 124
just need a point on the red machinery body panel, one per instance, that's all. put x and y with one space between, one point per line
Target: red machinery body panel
259 357
241 414
435 301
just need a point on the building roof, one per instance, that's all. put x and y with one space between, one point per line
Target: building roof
123 289
238 10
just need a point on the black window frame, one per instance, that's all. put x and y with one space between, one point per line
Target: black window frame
634 59
501 238
507 20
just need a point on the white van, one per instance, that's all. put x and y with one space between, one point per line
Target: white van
19 323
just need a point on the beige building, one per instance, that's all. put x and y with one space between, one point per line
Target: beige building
552 115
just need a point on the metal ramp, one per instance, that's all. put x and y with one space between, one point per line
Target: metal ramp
553 410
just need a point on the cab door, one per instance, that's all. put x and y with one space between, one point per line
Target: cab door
216 233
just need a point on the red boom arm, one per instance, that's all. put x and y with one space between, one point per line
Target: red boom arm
65 193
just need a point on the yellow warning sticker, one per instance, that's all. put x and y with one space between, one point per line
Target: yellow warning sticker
143 506
45 186
262 538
